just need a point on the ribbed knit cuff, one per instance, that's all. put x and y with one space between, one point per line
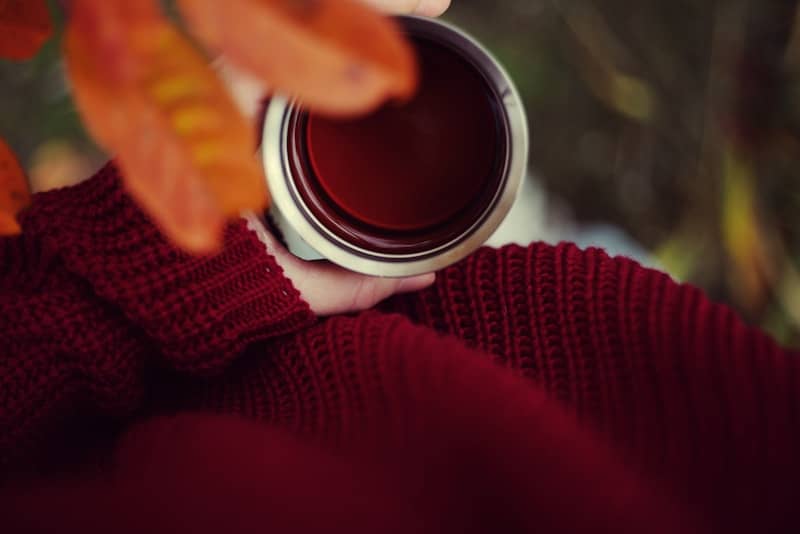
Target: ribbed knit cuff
200 311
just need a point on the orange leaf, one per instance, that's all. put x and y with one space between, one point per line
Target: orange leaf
24 27
336 56
14 194
146 94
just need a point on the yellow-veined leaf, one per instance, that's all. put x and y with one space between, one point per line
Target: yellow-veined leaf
24 27
14 194
336 56
149 97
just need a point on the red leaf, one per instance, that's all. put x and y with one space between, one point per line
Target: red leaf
14 194
24 27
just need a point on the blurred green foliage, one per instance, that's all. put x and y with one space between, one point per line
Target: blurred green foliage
678 122
36 109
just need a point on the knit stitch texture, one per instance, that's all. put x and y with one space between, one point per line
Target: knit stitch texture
539 388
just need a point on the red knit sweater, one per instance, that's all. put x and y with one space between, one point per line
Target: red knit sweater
539 389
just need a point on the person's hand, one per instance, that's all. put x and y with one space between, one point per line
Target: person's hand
327 288
430 8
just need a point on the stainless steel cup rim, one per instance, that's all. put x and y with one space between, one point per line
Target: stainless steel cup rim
287 201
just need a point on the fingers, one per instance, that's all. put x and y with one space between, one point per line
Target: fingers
415 283
430 8
394 6
329 289
366 292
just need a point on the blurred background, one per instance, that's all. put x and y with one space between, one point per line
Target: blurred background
666 131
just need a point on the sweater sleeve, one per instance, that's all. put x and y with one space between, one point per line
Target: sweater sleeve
92 299
62 351
689 393
200 311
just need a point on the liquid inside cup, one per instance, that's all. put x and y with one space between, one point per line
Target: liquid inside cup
411 176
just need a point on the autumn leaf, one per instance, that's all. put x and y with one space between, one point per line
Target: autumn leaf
148 96
14 194
336 56
24 27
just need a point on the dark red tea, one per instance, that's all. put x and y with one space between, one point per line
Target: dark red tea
409 176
